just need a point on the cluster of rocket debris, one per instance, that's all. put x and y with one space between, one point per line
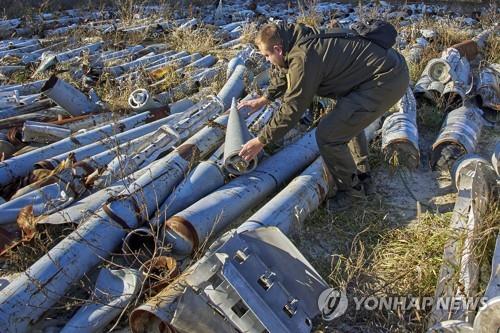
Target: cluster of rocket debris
163 180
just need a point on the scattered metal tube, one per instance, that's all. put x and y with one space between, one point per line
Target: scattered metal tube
205 178
82 209
68 97
41 202
231 43
20 166
26 88
121 69
290 207
459 135
203 62
43 132
114 289
192 226
237 134
488 89
88 122
400 133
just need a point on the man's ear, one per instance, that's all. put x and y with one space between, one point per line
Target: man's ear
278 49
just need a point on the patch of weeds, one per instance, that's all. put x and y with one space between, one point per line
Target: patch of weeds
429 118
201 40
414 254
24 255
492 50
249 32
308 14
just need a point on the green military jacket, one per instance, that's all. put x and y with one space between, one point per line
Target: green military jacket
327 67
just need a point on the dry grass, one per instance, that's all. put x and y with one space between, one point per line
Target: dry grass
413 254
249 32
308 14
23 256
492 52
201 40
369 252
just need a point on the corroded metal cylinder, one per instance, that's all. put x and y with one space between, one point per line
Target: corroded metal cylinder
400 133
488 92
459 135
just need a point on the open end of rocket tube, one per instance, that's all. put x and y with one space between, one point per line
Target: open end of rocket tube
143 321
160 271
50 83
236 165
440 71
452 100
139 245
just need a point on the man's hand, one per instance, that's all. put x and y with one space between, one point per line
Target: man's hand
253 104
251 149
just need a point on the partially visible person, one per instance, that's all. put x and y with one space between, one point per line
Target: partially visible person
365 79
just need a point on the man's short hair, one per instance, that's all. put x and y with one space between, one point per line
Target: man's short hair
268 36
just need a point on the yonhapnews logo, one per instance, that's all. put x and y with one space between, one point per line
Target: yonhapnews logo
332 303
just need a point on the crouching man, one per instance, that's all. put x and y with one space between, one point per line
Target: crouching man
365 79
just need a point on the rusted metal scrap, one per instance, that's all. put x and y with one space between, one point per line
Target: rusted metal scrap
458 136
43 133
400 133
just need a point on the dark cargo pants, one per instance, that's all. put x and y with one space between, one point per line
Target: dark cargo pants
351 115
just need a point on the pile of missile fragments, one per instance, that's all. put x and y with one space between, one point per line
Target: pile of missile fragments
157 193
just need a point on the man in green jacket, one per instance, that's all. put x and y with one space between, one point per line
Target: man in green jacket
364 78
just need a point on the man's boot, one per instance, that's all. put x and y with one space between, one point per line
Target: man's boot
342 200
367 182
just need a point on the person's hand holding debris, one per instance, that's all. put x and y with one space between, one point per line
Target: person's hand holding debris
251 149
254 104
